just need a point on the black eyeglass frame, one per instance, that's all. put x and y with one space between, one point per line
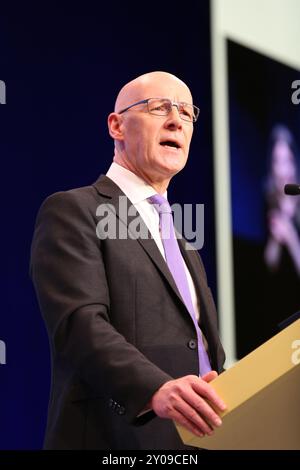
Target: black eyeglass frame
173 103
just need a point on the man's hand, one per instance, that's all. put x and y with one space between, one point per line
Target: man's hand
185 401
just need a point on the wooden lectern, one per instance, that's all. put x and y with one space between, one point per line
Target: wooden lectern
262 394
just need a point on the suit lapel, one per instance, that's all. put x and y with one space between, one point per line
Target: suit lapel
107 188
192 260
192 264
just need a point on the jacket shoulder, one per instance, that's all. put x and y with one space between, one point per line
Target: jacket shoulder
81 196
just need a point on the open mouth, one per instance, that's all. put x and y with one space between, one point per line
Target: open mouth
170 143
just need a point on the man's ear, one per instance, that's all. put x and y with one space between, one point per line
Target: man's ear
115 126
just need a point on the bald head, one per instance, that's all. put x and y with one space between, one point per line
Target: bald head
153 84
153 146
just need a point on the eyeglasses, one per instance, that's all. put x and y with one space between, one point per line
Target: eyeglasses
163 106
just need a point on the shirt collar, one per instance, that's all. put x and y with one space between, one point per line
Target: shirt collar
135 188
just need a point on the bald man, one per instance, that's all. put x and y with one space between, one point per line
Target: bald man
124 356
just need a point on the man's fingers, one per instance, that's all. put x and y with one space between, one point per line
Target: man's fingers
191 414
203 389
188 425
193 399
203 409
210 376
180 419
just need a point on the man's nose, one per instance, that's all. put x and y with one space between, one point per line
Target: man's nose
173 118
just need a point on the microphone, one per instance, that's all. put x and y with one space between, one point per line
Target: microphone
292 189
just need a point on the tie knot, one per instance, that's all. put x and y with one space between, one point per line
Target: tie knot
161 204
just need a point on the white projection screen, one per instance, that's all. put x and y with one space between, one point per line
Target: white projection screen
270 28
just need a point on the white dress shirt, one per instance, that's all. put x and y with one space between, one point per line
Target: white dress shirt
138 192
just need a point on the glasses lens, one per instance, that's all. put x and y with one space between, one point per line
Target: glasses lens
160 107
188 112
163 106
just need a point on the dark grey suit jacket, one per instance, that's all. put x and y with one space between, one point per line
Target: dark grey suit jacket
118 328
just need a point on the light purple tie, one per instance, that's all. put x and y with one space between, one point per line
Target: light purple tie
176 265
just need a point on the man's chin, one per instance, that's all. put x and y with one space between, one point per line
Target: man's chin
177 167
174 164
171 171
